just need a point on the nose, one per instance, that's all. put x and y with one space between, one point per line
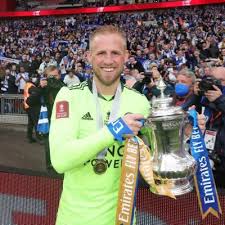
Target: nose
108 59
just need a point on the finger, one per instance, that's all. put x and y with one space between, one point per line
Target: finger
129 135
207 94
192 107
136 116
135 125
201 116
212 92
216 88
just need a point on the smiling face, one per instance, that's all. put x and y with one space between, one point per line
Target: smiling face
107 56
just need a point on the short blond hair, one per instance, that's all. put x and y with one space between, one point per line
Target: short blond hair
108 29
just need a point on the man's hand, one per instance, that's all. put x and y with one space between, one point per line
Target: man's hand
43 83
212 95
151 84
133 122
201 122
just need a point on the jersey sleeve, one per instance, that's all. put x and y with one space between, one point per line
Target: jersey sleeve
66 150
146 107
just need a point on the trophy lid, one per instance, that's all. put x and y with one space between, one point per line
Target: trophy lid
163 105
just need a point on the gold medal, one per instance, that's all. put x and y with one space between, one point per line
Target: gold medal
100 166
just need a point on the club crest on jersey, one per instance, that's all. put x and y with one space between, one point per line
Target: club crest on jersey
62 109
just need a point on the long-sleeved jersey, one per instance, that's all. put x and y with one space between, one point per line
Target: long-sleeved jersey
88 198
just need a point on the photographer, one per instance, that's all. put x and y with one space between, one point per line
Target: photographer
213 100
50 87
132 77
149 82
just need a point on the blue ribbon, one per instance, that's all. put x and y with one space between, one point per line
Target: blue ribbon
204 180
118 129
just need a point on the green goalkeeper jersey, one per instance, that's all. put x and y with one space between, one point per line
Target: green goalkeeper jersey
88 198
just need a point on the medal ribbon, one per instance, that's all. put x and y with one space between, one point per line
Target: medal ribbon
128 183
113 114
136 157
204 180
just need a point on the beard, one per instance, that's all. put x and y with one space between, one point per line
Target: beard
107 82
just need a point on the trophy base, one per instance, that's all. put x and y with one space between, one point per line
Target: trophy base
178 186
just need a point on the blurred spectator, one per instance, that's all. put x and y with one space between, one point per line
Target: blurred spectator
25 63
147 85
21 78
4 82
66 64
71 79
134 64
46 63
88 72
35 64
79 72
213 101
32 106
184 89
11 79
133 77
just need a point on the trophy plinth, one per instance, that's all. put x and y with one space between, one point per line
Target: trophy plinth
172 164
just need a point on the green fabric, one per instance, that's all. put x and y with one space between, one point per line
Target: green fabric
88 198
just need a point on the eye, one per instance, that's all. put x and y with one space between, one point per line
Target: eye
116 53
101 53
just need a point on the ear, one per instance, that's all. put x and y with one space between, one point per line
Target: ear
89 56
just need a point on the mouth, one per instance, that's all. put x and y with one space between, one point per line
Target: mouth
108 69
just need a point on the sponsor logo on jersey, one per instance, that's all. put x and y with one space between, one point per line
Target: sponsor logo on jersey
62 109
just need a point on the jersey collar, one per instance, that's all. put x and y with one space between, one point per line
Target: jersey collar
89 81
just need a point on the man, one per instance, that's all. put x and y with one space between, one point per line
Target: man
214 103
135 76
184 89
148 85
21 78
76 146
31 106
51 86
134 64
46 63
25 63
71 79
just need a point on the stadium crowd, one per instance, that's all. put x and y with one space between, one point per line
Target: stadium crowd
171 38
182 45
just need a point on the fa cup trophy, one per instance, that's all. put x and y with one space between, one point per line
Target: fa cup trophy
172 164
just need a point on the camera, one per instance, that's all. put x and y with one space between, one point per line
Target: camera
207 83
147 79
